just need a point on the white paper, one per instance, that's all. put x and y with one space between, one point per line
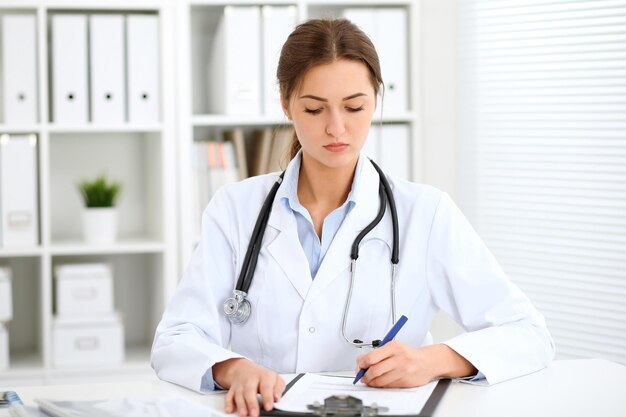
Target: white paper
315 387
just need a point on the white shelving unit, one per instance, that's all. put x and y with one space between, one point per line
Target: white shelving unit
157 224
196 21
144 259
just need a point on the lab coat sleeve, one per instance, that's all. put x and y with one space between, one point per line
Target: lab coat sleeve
505 335
193 335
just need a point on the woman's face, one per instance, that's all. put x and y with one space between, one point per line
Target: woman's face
332 112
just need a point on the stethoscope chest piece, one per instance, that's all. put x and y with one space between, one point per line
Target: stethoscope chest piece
237 308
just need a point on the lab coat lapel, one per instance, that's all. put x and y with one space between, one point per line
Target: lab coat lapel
286 250
337 259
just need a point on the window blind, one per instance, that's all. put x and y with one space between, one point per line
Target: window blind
542 134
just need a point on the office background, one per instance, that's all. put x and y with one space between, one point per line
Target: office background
516 108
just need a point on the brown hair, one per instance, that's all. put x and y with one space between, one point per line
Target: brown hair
323 41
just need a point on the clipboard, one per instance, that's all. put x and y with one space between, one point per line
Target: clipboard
359 409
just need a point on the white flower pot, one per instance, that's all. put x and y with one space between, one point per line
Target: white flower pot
100 225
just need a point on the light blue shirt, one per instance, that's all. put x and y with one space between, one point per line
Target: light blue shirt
315 248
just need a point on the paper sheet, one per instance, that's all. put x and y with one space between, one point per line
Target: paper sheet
315 387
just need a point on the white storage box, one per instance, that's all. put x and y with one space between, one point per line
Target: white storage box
82 342
84 289
6 303
4 347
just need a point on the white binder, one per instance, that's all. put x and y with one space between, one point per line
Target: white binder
18 190
142 59
389 146
394 150
69 69
107 64
371 146
392 47
387 29
234 64
19 69
278 23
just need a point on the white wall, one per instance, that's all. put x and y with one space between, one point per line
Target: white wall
439 110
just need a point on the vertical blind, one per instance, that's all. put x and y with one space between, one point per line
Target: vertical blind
542 133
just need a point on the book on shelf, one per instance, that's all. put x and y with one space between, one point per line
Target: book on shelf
236 137
281 144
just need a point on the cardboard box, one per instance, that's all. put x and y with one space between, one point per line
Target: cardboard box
83 289
89 341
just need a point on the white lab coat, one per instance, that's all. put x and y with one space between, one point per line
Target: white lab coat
295 325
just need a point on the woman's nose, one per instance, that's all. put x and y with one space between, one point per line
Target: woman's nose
335 126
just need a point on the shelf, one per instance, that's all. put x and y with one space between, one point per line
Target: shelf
242 2
231 121
18 252
19 129
225 120
124 128
23 367
122 246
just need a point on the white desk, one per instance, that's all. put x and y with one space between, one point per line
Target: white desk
590 387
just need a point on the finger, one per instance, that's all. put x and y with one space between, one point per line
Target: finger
376 355
229 404
378 370
267 391
279 387
240 403
250 396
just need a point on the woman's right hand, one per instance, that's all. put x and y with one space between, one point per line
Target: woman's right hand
245 379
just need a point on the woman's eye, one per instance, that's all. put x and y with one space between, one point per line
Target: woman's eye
313 111
354 109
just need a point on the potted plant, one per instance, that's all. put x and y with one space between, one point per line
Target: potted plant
100 214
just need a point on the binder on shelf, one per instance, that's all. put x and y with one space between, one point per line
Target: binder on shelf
278 22
392 49
6 297
389 146
394 150
234 63
4 347
70 101
107 65
18 190
142 60
19 69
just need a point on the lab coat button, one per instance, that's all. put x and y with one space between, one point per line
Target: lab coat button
311 329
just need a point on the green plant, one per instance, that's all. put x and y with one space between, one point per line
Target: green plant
99 192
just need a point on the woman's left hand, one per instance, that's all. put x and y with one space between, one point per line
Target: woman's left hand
397 365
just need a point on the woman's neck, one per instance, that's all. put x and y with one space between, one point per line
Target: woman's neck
324 187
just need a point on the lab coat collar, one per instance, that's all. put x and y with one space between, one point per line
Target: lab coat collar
286 248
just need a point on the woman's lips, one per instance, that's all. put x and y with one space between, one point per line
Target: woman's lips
336 147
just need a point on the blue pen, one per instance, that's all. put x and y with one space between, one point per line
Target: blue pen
388 338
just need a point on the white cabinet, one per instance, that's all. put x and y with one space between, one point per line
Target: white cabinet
136 150
203 37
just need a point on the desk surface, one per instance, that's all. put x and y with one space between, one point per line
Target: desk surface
589 387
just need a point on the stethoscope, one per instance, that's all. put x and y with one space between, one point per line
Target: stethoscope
237 308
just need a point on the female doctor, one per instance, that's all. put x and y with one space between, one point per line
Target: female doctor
312 308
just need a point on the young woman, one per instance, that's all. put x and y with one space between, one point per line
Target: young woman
309 301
